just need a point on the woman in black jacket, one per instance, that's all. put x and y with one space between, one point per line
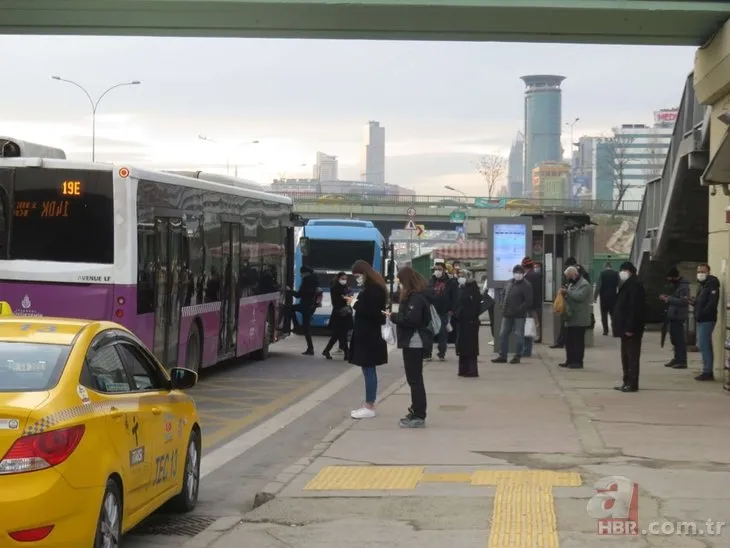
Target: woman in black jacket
341 317
367 348
467 313
412 324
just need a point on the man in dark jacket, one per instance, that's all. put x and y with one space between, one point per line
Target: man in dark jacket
570 261
515 307
306 306
441 293
607 290
628 322
535 279
708 295
677 300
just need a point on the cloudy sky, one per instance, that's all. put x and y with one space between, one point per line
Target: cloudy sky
442 104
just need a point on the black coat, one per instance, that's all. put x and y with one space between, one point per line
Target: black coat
467 314
307 293
341 316
368 349
708 296
607 288
413 316
535 280
628 315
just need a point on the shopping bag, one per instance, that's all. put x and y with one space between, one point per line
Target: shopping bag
387 330
559 304
530 328
435 323
449 327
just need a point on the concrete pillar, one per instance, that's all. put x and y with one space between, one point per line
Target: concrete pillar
712 87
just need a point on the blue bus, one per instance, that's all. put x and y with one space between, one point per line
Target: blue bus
333 246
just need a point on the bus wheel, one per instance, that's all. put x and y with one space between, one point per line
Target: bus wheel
263 353
194 349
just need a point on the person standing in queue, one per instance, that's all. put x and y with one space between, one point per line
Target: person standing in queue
441 293
628 323
708 297
341 318
570 261
516 304
607 290
412 321
677 300
578 310
367 348
467 314
306 306
533 276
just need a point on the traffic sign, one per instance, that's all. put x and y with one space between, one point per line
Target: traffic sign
457 216
420 229
410 225
411 211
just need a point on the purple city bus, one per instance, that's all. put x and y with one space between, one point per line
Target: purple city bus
195 266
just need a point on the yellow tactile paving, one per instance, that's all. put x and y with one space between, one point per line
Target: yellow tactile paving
524 508
366 478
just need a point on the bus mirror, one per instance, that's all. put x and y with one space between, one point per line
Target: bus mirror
5 309
304 246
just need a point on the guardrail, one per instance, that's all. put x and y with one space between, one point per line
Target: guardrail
526 204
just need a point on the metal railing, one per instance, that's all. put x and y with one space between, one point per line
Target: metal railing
631 207
688 135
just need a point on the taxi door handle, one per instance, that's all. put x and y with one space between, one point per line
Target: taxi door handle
116 413
156 411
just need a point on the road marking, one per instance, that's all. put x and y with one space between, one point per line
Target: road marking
524 507
236 425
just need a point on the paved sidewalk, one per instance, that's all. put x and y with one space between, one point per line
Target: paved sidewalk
511 460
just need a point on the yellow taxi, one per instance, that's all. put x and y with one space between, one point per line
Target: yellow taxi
95 434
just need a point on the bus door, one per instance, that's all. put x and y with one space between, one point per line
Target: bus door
169 258
230 255
6 192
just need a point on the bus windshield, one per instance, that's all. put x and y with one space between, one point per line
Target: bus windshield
336 255
62 215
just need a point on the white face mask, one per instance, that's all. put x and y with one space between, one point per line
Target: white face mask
360 279
519 276
701 276
624 275
438 273
462 280
343 281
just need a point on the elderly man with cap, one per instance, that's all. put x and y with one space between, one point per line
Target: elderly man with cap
579 304
629 324
535 279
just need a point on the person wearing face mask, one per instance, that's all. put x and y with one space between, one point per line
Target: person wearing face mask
306 306
341 318
578 317
708 296
441 293
533 276
367 347
467 312
516 305
677 300
628 324
570 261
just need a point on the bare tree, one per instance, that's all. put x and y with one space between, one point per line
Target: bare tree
493 168
615 163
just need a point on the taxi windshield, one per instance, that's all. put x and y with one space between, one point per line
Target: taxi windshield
31 367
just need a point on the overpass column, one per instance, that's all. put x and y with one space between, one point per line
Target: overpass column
712 87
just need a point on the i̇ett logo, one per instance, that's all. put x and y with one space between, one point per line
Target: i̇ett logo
615 506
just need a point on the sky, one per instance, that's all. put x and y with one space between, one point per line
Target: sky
443 105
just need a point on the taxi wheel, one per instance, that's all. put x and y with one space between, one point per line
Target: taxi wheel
187 499
109 526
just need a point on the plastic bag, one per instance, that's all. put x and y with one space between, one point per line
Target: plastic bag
530 328
435 324
559 304
449 327
387 330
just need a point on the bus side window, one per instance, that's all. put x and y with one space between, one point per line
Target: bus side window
4 218
145 268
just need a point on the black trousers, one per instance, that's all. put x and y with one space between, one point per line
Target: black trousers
413 362
338 335
606 313
630 359
575 344
307 313
560 341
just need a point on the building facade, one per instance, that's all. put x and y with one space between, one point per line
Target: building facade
516 167
326 168
372 159
551 181
543 123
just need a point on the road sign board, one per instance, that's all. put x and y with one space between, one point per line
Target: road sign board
410 225
411 211
420 229
457 216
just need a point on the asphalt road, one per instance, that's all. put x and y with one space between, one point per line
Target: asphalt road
235 399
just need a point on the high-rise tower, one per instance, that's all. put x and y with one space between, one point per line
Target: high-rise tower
516 167
372 159
543 121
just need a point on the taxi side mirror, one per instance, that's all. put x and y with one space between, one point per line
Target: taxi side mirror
182 379
5 309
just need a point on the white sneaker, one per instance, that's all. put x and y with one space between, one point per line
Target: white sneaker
362 413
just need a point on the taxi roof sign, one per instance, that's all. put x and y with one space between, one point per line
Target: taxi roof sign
5 309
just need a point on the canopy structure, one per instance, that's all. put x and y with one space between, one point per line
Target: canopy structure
470 249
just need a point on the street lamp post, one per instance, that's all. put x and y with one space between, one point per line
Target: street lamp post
571 125
95 105
230 150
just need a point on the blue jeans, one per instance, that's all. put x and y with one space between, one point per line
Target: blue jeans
441 339
704 341
509 326
371 384
527 352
